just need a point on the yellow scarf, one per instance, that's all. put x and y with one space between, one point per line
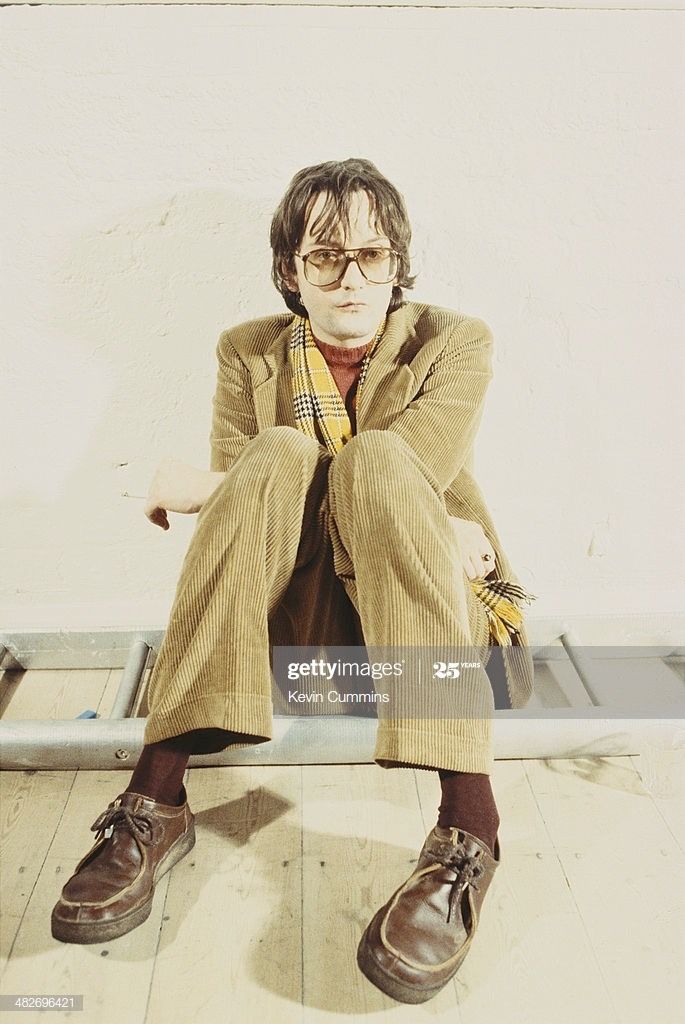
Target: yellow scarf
316 398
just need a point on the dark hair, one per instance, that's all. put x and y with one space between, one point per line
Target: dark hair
340 179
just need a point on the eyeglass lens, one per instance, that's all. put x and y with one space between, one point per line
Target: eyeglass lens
325 266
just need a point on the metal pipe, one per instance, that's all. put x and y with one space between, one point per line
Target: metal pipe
99 648
106 744
130 680
580 663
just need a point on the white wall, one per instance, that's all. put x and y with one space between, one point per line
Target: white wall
144 149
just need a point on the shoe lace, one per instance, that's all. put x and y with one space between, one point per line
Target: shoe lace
468 870
121 817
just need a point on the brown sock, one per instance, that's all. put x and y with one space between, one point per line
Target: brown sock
468 803
160 769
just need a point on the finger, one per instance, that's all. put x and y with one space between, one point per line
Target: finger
470 567
151 508
159 518
480 566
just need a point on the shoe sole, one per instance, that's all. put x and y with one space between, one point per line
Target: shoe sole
397 990
102 931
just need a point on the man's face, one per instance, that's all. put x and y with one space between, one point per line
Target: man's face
349 312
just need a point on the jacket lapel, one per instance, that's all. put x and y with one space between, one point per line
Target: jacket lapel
389 378
267 371
265 403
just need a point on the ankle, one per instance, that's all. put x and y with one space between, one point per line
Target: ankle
159 772
468 803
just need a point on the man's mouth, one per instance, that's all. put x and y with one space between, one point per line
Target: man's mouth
351 305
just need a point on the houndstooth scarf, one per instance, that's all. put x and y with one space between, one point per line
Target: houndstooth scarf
316 397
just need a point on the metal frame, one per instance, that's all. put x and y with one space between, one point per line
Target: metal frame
581 728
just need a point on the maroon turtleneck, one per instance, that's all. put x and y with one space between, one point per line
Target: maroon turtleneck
345 365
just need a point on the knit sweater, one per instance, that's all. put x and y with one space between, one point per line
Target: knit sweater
345 365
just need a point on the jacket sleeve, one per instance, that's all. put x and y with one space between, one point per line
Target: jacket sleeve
441 422
234 422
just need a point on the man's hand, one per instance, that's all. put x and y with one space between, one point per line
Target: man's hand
473 544
178 487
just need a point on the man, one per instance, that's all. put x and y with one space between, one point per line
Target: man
339 509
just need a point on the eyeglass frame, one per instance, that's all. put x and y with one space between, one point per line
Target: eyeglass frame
350 259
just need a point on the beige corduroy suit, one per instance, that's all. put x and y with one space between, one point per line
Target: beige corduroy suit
297 546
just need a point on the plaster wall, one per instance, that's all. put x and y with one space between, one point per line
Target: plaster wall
540 153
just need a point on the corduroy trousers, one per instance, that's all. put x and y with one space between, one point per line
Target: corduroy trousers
296 546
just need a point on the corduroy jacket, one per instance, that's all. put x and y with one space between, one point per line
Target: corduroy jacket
426 382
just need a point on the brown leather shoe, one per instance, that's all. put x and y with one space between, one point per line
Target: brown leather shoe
418 941
110 893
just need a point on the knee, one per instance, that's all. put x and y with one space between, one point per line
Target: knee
370 459
284 441
275 455
374 447
276 448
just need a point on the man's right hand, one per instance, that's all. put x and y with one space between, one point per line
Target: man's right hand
178 487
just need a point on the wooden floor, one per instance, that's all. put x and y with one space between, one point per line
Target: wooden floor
583 924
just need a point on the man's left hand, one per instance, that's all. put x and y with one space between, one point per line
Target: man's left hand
473 544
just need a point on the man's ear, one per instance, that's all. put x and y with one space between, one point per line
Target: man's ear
289 277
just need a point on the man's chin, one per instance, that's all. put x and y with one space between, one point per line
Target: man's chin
354 323
351 327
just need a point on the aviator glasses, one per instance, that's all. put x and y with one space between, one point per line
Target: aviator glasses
322 267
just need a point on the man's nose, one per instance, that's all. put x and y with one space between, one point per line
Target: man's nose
353 277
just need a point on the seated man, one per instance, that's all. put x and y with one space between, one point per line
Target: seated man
339 509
